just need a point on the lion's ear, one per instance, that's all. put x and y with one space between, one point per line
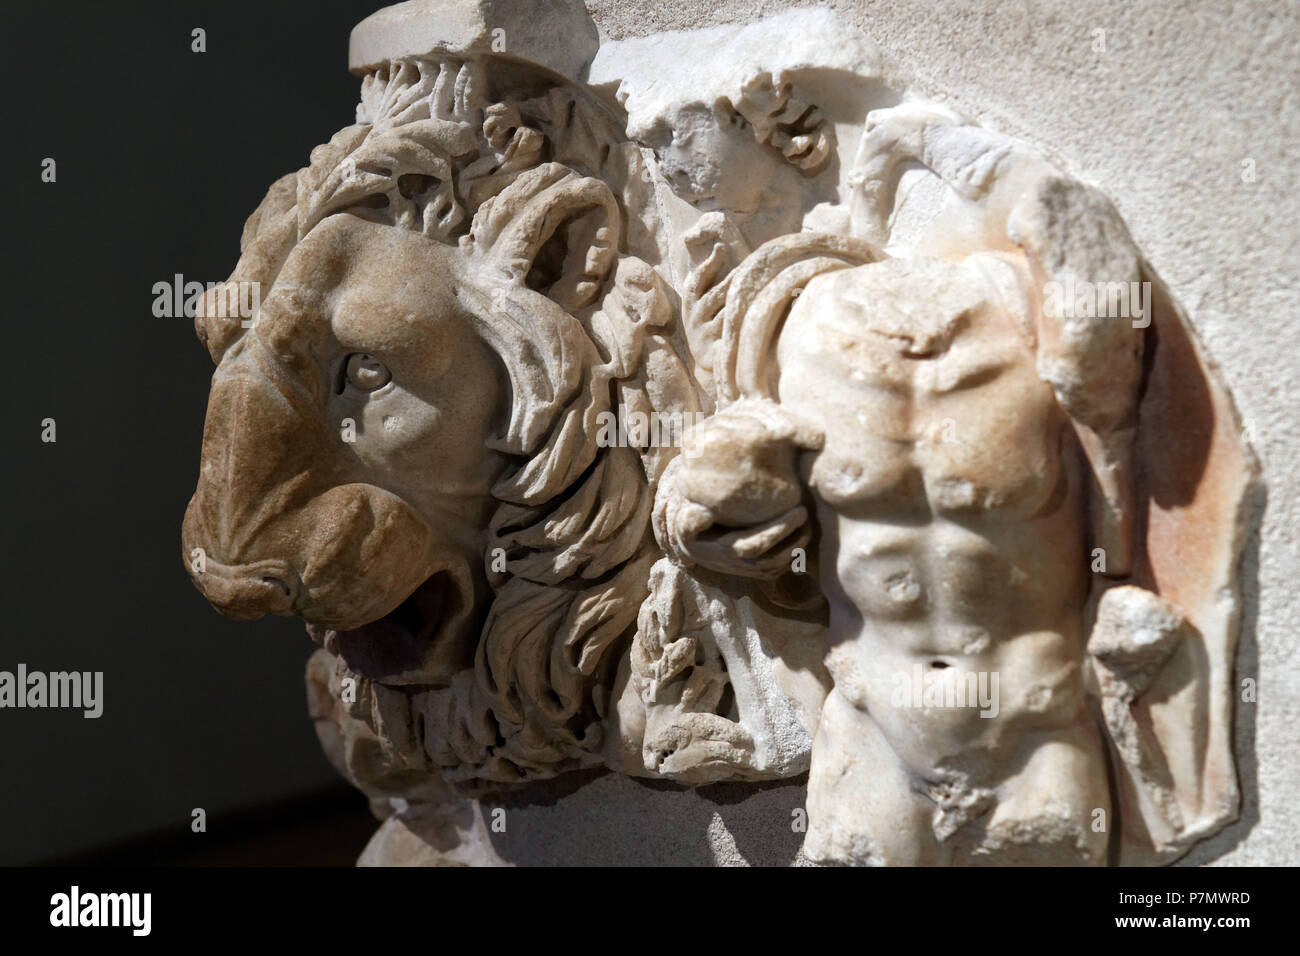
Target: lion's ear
552 230
269 237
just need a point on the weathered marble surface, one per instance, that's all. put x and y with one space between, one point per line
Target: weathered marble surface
895 428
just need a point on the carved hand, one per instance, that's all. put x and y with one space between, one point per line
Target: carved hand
732 501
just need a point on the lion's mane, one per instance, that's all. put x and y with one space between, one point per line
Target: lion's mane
576 333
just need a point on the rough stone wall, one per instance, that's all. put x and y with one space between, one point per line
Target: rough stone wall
1186 115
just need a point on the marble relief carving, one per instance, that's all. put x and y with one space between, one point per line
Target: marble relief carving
752 420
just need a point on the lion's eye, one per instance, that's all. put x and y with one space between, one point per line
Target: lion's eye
366 372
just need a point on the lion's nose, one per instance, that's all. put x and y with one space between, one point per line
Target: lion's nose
245 592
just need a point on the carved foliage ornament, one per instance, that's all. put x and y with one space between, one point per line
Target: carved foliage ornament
743 424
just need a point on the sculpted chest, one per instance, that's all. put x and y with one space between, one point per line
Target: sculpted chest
928 395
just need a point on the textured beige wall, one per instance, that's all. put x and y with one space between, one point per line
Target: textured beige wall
1169 115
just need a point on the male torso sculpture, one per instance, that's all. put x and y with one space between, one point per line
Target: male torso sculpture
951 504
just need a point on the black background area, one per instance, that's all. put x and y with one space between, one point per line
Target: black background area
161 154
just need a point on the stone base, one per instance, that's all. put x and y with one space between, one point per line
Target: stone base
603 820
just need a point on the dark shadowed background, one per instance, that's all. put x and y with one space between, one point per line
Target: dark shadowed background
161 154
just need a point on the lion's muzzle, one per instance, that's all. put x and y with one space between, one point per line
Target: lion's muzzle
245 592
279 523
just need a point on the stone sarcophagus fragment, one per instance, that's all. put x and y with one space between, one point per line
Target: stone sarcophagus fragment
747 421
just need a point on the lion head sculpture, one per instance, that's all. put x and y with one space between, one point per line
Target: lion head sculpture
401 447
